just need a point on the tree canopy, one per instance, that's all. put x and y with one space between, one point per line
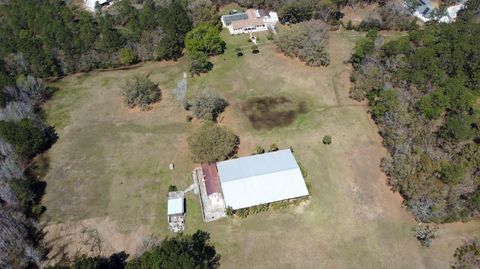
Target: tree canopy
208 105
307 41
422 91
183 252
206 38
211 143
140 91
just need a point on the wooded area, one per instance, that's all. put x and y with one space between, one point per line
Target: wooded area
422 91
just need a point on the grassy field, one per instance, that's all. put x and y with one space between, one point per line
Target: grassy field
109 174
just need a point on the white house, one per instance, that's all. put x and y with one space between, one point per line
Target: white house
252 20
424 10
90 4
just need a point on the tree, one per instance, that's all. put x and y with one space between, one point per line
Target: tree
433 105
182 251
212 143
205 38
452 173
127 56
307 41
199 62
458 127
208 105
31 90
175 24
203 11
140 91
27 137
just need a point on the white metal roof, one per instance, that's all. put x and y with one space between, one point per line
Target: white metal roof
175 206
91 3
261 179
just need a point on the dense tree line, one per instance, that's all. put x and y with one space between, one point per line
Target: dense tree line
47 38
303 10
422 91
23 135
183 251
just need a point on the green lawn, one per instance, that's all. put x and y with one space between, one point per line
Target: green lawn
110 165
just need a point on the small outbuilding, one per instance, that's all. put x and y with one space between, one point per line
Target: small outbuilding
176 211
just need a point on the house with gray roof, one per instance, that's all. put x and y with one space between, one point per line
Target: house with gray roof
252 20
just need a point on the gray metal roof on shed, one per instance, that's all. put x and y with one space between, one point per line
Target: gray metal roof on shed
228 19
261 179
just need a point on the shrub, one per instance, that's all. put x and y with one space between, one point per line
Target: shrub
327 140
425 234
239 52
211 143
303 170
172 188
254 49
127 56
208 105
140 91
259 150
189 118
273 147
467 256
229 211
307 41
242 212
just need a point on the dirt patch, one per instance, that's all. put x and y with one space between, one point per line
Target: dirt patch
91 237
270 112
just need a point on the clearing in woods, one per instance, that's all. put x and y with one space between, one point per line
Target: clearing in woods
108 175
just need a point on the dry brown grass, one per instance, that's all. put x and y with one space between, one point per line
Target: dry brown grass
110 166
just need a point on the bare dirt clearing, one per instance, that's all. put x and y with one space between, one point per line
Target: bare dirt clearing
109 167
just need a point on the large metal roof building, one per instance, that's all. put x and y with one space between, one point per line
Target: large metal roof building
261 179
